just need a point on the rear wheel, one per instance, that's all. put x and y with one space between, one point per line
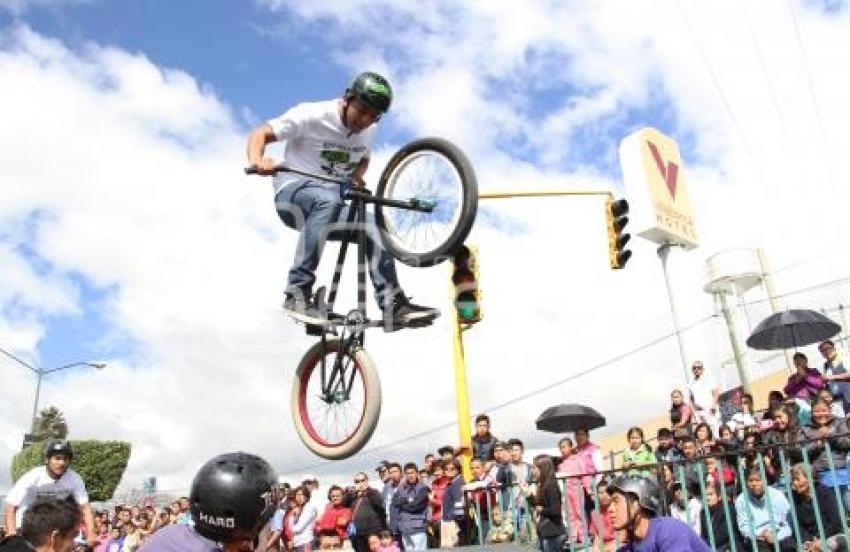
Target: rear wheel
435 171
335 412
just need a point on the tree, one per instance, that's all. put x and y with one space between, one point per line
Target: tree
101 464
51 424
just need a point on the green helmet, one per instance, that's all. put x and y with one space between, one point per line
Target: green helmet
371 89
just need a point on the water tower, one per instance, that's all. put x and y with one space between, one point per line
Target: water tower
731 273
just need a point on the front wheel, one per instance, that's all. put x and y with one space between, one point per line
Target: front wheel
336 399
435 171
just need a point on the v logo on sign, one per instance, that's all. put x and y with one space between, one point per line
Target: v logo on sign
669 171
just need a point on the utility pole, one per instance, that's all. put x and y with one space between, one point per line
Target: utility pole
663 253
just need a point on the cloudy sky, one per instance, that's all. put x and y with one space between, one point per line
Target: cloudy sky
129 235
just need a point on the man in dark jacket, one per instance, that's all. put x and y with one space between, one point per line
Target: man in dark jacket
391 484
411 504
483 441
367 512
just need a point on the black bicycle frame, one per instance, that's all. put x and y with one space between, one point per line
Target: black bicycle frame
356 331
357 217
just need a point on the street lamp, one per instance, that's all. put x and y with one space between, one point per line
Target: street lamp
41 372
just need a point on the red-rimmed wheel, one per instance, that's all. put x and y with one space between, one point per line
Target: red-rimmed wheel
336 412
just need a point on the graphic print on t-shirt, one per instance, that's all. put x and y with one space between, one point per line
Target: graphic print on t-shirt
337 158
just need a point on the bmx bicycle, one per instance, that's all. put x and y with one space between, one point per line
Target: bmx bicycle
425 204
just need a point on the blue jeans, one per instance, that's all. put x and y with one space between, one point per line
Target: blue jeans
316 210
551 544
415 541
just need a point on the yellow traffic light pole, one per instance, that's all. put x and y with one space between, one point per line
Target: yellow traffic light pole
463 416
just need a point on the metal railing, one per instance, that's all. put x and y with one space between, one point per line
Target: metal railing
736 521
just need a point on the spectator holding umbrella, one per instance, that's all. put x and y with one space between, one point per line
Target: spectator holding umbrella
580 419
805 382
589 452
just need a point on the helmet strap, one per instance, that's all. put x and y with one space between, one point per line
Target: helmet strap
630 524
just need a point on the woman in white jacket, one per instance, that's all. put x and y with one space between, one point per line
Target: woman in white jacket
301 521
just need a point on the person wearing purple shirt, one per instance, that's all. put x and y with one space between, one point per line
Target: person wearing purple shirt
805 382
635 505
233 496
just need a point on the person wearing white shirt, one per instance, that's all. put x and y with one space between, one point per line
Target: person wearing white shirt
304 515
705 394
54 479
333 139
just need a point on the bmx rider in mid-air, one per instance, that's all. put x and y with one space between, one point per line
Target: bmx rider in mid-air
334 138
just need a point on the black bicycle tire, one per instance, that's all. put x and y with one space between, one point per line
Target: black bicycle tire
372 407
468 210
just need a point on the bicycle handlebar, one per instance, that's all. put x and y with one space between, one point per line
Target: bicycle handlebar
413 204
283 168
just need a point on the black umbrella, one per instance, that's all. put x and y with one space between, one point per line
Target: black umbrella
569 417
791 329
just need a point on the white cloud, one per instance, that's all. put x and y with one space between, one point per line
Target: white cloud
20 7
141 182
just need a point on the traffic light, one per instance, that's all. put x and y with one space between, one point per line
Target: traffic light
616 219
467 294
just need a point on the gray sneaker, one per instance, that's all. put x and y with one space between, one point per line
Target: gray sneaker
303 310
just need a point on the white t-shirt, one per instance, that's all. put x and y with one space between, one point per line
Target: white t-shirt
318 142
701 391
38 483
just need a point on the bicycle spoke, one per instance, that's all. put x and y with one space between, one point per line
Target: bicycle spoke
426 175
335 410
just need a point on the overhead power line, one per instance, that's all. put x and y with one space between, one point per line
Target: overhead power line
810 82
557 383
771 89
716 81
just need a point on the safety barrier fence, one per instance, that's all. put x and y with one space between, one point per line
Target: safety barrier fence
770 497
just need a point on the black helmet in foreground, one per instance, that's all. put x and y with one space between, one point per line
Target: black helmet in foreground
233 496
57 447
643 489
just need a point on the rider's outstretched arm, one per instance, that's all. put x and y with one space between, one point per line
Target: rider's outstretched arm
257 141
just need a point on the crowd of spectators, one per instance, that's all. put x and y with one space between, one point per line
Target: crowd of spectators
124 528
746 479
748 476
